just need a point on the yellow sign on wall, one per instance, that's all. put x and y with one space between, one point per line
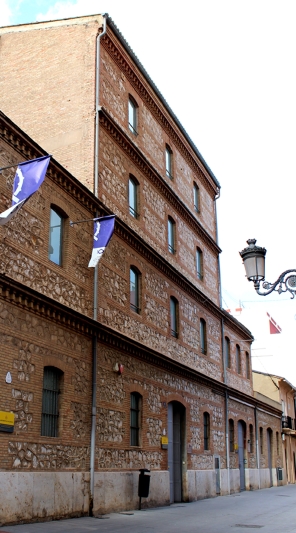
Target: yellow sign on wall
6 421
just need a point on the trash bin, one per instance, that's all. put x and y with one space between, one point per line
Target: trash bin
144 484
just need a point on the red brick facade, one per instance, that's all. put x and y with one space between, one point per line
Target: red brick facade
46 315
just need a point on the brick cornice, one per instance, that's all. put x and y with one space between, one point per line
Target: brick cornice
28 149
135 155
121 60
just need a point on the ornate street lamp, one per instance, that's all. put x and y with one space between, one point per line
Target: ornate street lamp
254 260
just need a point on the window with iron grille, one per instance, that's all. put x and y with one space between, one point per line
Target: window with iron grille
133 197
171 235
203 336
132 115
206 423
50 401
174 316
231 435
134 290
135 418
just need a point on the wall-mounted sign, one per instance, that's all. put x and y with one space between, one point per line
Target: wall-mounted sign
164 442
8 378
6 421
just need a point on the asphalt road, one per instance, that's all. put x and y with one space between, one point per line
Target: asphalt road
270 510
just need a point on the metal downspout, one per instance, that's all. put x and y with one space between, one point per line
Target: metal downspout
257 447
95 296
223 358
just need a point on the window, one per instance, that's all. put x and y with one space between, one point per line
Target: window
171 235
135 418
168 162
227 353
134 290
50 401
261 440
199 263
203 336
277 443
196 199
174 316
132 115
231 435
133 197
238 359
247 365
55 237
251 449
206 423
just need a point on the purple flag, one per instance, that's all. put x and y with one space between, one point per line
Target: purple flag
103 231
28 178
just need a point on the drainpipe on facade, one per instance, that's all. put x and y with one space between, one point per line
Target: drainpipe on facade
257 447
223 357
95 297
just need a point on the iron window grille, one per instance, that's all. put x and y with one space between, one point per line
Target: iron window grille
206 421
227 353
238 359
50 401
135 410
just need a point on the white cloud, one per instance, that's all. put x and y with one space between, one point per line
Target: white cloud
6 13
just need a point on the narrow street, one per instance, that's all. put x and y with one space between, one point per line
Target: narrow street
271 510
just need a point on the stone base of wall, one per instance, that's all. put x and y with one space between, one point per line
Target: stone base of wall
40 496
118 491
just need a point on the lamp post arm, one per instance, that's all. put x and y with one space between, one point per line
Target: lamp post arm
284 283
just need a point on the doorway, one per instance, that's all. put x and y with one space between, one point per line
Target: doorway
176 448
241 453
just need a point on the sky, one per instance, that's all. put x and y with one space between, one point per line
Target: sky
226 68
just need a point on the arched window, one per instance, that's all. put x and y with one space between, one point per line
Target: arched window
171 235
231 435
203 336
174 310
50 401
55 236
134 290
227 353
135 418
199 263
133 197
247 366
168 162
251 432
206 424
196 198
238 359
132 115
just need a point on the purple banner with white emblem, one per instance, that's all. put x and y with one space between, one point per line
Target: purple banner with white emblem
28 178
103 231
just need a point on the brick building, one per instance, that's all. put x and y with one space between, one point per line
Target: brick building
156 315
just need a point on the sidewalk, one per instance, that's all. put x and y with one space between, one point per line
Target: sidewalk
272 510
